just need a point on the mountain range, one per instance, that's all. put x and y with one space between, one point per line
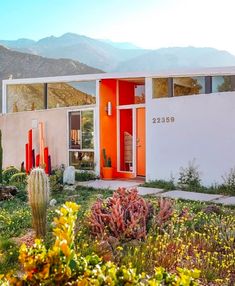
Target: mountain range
110 56
22 65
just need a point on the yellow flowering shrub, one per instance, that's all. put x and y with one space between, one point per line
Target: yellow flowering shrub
62 265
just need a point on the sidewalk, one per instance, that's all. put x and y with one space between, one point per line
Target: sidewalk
175 194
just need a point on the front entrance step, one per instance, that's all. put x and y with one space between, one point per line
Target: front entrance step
192 196
110 184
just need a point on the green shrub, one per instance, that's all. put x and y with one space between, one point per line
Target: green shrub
229 182
85 176
189 177
56 180
161 184
18 178
8 173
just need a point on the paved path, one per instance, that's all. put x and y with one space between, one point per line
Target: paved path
176 194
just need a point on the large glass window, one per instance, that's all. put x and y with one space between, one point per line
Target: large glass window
188 85
25 97
160 87
81 160
223 83
71 94
81 139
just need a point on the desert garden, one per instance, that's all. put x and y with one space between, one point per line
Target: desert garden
99 237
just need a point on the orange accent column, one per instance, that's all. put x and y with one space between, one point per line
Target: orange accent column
140 136
108 124
41 143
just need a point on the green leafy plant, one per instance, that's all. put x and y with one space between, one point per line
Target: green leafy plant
229 182
8 173
56 180
38 194
107 160
18 178
189 177
85 176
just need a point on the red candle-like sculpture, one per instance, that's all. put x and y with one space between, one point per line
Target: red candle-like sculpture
42 159
37 160
30 149
46 160
27 158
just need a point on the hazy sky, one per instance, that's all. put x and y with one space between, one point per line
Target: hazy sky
147 23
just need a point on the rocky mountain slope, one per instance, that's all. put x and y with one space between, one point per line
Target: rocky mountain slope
22 65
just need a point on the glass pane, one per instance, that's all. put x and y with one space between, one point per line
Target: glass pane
223 83
160 87
71 94
87 130
126 140
25 97
75 130
188 85
81 160
139 94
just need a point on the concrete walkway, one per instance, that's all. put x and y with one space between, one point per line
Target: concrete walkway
176 194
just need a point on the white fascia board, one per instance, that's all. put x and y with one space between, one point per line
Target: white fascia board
126 75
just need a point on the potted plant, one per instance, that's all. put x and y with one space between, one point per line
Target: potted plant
107 169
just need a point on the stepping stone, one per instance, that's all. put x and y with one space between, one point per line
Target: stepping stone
149 191
193 196
226 201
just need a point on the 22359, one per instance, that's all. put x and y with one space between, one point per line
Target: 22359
165 119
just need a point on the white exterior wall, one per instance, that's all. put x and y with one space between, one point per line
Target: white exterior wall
204 130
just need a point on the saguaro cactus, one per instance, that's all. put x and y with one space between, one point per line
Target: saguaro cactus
1 156
38 193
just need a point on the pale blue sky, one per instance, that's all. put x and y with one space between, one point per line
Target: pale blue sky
147 23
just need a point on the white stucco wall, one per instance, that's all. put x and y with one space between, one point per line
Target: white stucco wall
203 129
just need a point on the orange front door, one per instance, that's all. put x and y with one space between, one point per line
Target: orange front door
140 144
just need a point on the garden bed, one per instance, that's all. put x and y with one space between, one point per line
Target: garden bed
189 235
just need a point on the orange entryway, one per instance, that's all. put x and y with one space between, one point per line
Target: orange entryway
140 142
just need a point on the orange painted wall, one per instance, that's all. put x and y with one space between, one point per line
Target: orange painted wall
108 124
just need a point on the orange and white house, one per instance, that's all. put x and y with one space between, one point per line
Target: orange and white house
150 124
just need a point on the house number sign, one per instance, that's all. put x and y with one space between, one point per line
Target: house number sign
164 119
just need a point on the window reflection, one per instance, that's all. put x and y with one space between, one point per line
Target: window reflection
188 85
25 97
223 83
71 94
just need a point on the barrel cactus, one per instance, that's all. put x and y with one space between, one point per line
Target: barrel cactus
38 194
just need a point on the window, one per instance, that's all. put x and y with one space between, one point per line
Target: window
81 139
25 97
223 83
71 94
188 85
160 87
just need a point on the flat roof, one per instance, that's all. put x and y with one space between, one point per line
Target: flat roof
126 75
